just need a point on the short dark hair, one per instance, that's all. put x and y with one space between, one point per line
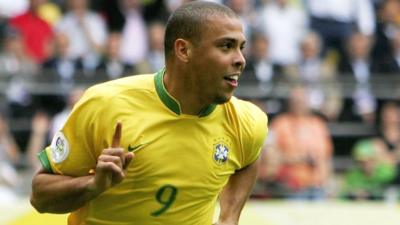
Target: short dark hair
186 22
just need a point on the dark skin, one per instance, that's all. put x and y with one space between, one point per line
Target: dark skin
74 192
197 75
217 56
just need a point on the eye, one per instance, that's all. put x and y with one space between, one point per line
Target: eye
226 45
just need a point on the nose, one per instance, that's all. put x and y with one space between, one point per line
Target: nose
239 60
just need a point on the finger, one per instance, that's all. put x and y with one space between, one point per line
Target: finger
108 167
117 136
115 152
114 159
110 170
128 158
104 174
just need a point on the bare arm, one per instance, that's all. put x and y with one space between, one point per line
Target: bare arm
62 194
235 194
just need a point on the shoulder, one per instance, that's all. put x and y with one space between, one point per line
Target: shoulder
107 99
249 118
251 123
247 110
130 84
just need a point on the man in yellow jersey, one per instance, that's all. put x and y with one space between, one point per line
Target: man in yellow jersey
192 142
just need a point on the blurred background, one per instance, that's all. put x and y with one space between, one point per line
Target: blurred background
327 73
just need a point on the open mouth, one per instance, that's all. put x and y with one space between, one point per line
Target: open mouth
232 80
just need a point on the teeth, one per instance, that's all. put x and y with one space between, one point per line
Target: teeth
234 77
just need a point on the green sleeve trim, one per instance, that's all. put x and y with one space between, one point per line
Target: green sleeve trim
44 160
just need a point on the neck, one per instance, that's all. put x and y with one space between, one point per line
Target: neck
184 92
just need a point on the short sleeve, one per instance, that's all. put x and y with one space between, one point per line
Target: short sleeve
73 150
254 133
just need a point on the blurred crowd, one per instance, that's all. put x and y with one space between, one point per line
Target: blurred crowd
297 161
311 45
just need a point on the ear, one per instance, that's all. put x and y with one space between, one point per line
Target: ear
183 49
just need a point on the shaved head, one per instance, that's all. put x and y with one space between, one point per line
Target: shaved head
188 20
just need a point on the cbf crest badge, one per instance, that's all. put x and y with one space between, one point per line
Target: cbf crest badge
221 151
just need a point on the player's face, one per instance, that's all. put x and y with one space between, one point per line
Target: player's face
218 60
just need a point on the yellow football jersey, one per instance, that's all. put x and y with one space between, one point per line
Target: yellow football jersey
182 161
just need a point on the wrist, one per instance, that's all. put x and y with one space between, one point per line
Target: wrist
227 221
91 189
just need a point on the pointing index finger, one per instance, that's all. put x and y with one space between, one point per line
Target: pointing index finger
116 140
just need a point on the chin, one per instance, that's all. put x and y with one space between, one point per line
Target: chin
222 99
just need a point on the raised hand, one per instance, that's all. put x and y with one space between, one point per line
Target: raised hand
111 164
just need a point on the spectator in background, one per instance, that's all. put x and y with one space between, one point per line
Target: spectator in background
259 68
260 71
358 63
388 24
60 71
371 174
37 138
154 59
156 10
284 25
36 33
59 119
304 149
9 158
269 166
392 65
357 60
363 105
9 150
134 39
19 68
111 11
319 74
388 139
14 61
336 20
86 32
112 66
61 66
377 159
245 10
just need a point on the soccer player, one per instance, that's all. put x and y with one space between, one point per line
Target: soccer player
192 142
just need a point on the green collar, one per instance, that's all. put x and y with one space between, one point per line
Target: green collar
170 102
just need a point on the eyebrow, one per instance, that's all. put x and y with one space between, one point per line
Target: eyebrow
232 40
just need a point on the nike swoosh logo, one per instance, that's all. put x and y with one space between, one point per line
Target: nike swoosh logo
137 147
